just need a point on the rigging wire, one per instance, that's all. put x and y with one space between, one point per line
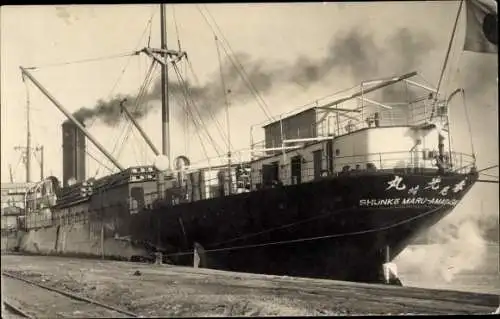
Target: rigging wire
245 76
176 29
226 102
243 72
237 64
186 116
447 56
487 181
149 36
28 148
18 162
197 130
210 113
148 25
275 228
489 175
284 242
450 74
469 127
129 128
138 102
109 57
127 125
449 46
32 136
451 79
423 79
487 168
28 118
203 125
36 156
135 147
120 76
136 48
98 161
316 101
189 98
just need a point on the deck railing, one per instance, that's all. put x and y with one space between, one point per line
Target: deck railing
403 114
398 115
397 162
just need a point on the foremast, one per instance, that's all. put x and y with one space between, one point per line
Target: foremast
165 107
164 54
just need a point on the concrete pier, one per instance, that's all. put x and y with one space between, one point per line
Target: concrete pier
165 290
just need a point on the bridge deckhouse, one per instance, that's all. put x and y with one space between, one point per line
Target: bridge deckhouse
379 127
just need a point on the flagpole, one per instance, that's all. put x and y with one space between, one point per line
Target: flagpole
449 48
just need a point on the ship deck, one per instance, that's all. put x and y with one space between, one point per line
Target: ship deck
163 290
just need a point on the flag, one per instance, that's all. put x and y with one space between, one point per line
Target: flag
481 33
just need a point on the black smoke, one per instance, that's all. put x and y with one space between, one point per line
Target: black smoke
354 54
410 49
109 111
480 78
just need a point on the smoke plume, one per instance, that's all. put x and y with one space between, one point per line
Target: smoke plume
480 78
109 111
353 54
457 244
467 239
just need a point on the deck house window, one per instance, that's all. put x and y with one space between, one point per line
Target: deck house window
296 169
317 161
270 173
329 156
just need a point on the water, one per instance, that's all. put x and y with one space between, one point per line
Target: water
438 267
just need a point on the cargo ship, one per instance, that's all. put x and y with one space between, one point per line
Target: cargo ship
335 190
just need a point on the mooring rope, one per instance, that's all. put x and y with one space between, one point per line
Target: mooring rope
284 242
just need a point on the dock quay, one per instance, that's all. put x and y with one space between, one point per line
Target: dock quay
164 290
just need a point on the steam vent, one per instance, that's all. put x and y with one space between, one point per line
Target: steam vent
73 153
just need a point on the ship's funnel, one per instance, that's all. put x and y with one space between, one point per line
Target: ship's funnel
74 148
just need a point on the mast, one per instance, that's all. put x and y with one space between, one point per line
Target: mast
10 174
452 37
165 111
165 55
28 142
26 150
40 149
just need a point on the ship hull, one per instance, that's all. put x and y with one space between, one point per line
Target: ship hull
341 228
351 257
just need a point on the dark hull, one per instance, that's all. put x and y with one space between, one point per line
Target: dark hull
325 228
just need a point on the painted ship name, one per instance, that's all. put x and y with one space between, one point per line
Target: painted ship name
407 201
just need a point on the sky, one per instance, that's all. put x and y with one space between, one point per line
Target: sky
275 42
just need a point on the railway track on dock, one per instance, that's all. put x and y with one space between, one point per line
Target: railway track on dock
29 299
